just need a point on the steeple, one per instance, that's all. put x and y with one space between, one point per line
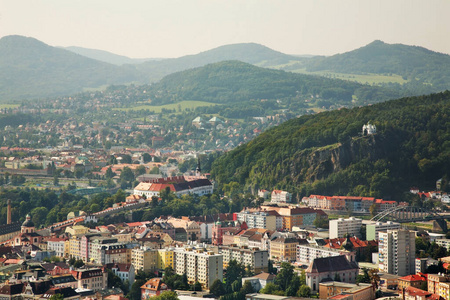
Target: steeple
198 171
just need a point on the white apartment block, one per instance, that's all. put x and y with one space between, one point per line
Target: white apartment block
257 260
397 252
444 243
259 219
199 265
373 229
278 196
307 253
340 227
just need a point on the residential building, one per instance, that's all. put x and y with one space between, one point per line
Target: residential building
153 287
307 253
124 271
341 227
335 267
411 280
412 293
283 249
259 219
434 282
95 279
374 228
57 245
397 252
165 258
296 216
144 259
259 281
257 260
363 291
278 196
199 265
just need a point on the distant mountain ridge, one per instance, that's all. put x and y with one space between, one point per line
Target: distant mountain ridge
107 57
32 69
251 53
412 62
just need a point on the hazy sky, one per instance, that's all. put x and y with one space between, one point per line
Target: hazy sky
173 28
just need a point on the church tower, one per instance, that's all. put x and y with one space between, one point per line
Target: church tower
198 171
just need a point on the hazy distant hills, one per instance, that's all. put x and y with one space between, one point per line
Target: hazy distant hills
107 57
247 52
412 62
32 69
326 153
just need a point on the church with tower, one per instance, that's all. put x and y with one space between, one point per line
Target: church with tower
28 234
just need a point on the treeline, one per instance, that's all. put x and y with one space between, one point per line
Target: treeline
326 154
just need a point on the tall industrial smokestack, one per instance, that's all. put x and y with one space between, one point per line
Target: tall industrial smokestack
8 220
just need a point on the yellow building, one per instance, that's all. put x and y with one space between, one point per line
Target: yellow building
74 247
283 249
444 290
165 258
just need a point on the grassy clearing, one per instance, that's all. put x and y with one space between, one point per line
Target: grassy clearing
178 107
365 79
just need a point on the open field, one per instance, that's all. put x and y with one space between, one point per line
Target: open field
178 107
2 105
365 79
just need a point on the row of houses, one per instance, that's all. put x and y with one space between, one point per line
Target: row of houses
349 203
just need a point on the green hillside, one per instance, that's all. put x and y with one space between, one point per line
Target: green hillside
234 82
418 65
327 154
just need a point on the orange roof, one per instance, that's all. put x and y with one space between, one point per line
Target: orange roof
413 278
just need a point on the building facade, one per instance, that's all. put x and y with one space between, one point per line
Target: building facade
397 252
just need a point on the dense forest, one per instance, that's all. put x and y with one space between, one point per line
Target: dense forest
327 154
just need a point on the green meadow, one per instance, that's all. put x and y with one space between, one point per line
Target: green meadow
178 107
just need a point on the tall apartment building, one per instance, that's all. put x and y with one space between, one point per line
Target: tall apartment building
165 258
372 230
144 259
397 252
257 260
199 265
340 227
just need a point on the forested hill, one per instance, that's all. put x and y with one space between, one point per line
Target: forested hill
416 64
327 154
235 81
